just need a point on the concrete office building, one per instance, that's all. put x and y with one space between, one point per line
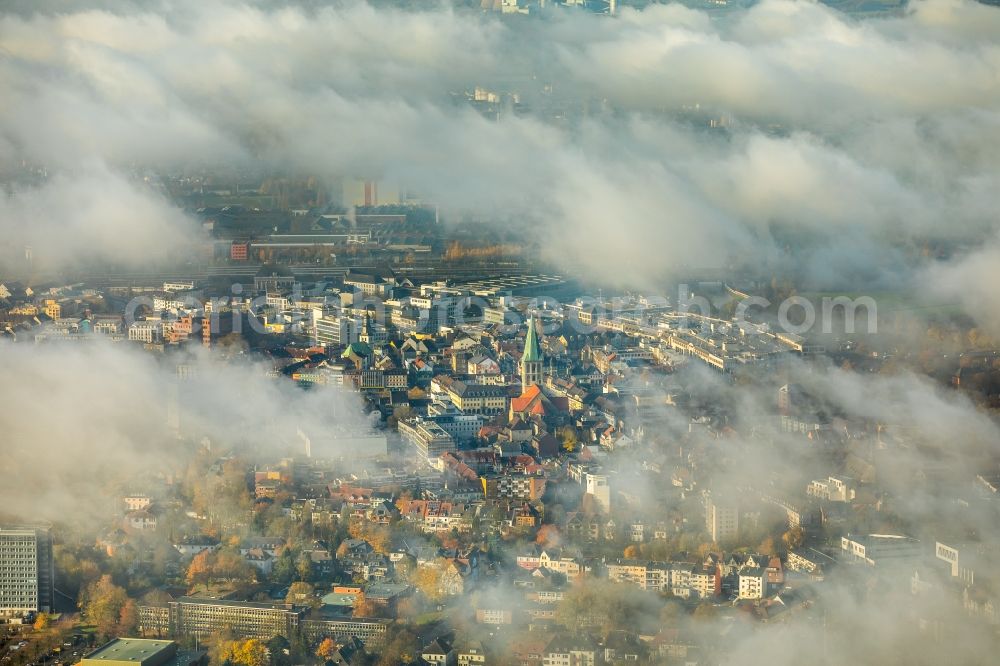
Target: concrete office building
881 549
142 652
26 572
190 616
722 519
428 438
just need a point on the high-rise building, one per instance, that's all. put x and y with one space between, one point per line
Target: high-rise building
722 519
332 329
26 573
597 486
531 359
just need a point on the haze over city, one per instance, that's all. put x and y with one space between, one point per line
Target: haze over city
529 332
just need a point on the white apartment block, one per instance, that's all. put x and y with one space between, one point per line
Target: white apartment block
26 571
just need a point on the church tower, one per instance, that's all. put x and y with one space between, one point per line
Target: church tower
531 360
365 335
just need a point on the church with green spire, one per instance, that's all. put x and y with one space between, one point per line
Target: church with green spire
531 360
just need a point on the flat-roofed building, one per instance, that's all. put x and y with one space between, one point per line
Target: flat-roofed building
722 519
189 616
142 652
26 573
371 631
428 438
882 549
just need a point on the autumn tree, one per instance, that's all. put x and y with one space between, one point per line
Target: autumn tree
228 565
75 568
363 606
356 528
399 413
104 606
128 619
405 567
548 536
304 569
404 648
567 435
200 570
42 622
603 604
301 593
224 564
793 538
251 652
327 648
380 538
427 579
705 612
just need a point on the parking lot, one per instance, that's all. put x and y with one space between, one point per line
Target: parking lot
60 644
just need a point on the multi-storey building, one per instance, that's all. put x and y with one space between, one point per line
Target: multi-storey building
478 398
833 489
334 329
753 584
882 549
52 308
653 576
148 331
190 616
514 486
428 438
462 427
597 486
26 572
371 631
706 581
554 561
722 519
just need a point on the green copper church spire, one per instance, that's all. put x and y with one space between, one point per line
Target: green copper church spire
531 359
532 351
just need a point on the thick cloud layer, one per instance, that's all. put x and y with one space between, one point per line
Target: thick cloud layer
845 146
91 215
75 415
883 129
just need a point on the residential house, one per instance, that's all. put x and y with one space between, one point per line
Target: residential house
439 653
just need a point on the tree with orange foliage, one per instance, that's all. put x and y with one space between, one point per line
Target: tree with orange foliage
548 536
380 539
251 652
356 528
200 569
793 538
103 604
128 619
363 606
327 648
